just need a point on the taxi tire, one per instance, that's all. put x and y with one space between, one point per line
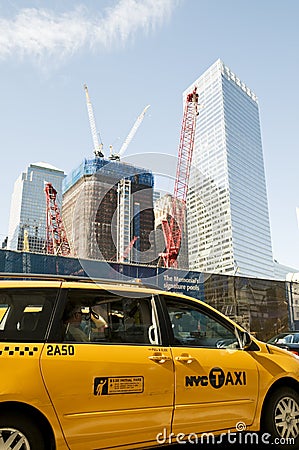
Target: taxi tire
277 400
21 423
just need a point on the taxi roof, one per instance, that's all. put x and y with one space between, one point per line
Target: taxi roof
72 281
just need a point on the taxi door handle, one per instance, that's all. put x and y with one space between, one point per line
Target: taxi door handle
161 359
184 358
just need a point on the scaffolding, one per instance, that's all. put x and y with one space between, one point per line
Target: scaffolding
123 219
99 200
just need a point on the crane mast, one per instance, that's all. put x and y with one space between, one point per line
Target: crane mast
98 147
56 240
173 227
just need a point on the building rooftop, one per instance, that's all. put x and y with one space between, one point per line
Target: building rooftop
212 71
45 165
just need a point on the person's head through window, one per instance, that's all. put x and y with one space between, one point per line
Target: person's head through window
73 314
72 319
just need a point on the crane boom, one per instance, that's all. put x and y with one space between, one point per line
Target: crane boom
130 135
172 229
133 131
98 147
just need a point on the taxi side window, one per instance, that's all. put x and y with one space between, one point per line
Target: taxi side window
191 327
25 313
110 319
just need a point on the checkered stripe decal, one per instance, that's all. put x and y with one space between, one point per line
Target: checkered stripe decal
15 350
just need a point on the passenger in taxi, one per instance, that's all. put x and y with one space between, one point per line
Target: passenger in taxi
72 320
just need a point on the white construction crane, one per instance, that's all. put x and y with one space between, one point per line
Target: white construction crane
98 147
116 156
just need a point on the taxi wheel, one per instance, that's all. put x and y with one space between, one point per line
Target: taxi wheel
281 419
19 433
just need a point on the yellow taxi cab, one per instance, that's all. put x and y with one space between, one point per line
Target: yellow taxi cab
107 365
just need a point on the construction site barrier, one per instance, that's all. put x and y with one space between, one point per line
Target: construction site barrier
263 307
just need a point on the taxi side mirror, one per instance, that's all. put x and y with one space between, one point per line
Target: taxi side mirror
244 339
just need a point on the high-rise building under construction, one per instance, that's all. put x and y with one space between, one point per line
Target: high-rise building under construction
108 211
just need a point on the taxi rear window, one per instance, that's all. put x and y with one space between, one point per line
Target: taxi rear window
25 313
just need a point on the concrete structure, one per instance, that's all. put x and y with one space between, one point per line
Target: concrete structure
105 204
228 219
28 207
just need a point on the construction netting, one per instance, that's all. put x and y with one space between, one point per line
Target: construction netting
111 169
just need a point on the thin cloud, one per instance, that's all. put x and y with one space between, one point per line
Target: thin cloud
38 33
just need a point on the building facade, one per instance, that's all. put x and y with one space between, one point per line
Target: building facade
228 218
27 221
108 211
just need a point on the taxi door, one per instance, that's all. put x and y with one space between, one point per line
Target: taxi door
216 383
117 388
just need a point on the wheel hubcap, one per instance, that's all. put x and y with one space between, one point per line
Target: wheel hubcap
12 439
287 418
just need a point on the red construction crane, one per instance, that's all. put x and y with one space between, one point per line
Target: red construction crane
56 240
127 250
173 227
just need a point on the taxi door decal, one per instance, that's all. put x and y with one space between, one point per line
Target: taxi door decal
118 385
217 378
21 350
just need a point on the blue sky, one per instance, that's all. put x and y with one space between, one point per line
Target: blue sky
132 53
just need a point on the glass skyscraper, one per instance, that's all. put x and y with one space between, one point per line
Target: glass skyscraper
228 218
28 207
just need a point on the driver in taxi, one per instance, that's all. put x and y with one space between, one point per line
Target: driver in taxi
73 331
